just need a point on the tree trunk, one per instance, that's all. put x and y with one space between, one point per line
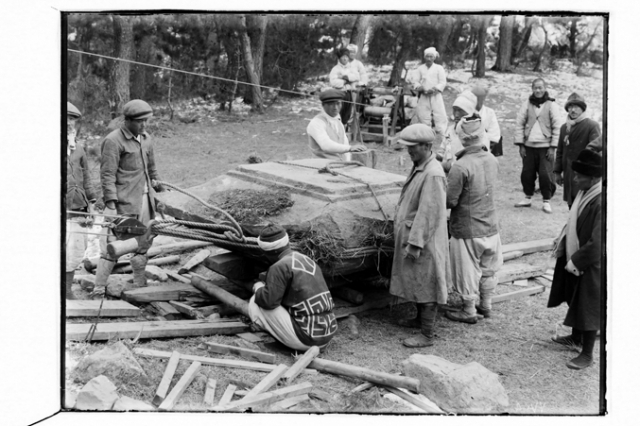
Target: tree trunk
398 63
249 66
538 64
503 61
359 32
524 41
446 28
481 34
454 37
123 36
257 30
573 33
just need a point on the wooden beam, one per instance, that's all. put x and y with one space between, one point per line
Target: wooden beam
231 265
519 271
153 329
158 261
167 311
288 403
300 364
529 246
350 295
268 382
161 293
178 277
180 387
185 309
512 255
413 399
110 308
267 397
517 294
195 260
242 352
227 395
209 393
377 377
163 387
218 362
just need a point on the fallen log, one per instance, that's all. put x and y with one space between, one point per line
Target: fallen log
225 297
90 308
377 377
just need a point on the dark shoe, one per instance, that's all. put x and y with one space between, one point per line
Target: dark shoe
484 312
461 316
420 341
567 341
580 362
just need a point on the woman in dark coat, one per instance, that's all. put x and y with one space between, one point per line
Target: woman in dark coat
577 275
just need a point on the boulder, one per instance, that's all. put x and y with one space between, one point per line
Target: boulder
469 388
115 362
124 403
117 283
98 394
154 272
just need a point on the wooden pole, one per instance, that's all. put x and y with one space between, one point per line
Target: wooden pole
120 248
300 364
211 289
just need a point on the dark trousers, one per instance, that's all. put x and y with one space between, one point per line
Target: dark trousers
345 111
535 163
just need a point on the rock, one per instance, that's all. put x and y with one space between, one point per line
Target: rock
154 272
124 403
115 362
98 394
117 283
87 282
469 388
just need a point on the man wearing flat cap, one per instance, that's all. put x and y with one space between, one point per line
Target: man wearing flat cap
80 198
475 246
431 82
421 269
128 175
293 303
578 250
575 135
327 137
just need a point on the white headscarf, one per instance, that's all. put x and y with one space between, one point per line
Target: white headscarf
431 50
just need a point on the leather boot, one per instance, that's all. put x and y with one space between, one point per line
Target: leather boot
585 359
428 312
105 266
138 265
412 322
468 315
487 288
68 284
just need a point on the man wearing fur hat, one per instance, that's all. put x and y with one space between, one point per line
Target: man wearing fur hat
293 303
475 247
432 81
327 137
578 133
577 275
80 197
344 77
421 267
129 182
537 131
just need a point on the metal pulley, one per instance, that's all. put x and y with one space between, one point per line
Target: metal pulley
125 228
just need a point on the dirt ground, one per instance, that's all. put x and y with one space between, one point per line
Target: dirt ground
515 343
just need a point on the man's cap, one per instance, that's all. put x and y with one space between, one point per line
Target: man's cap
588 163
331 95
575 99
273 237
416 134
137 109
72 111
466 101
342 52
431 50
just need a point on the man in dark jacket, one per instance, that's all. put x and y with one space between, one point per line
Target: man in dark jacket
577 275
129 178
80 197
475 247
578 133
293 304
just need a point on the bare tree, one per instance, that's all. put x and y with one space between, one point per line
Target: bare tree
503 61
445 25
482 24
257 31
359 32
544 46
123 48
250 67
526 34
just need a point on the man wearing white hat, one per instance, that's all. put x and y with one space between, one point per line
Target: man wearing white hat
489 120
431 83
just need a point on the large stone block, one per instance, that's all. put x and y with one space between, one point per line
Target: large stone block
469 388
98 394
115 362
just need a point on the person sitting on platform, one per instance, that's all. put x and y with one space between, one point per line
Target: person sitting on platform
294 304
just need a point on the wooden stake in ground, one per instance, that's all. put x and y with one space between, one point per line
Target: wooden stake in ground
267 397
226 349
210 393
300 364
180 387
270 380
163 388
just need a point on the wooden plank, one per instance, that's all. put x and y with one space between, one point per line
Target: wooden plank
158 261
180 387
512 255
161 293
208 310
375 304
153 329
413 399
195 260
267 397
529 246
110 308
167 311
517 294
231 265
250 337
242 352
227 395
163 387
178 277
518 271
300 364
288 403
209 393
185 309
521 283
268 382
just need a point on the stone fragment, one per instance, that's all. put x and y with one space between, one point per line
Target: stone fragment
117 283
115 361
469 388
98 394
124 403
154 272
87 282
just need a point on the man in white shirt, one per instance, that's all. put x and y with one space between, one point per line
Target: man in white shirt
327 137
356 65
431 83
344 77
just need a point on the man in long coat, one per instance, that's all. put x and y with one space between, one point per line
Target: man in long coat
578 133
577 275
421 259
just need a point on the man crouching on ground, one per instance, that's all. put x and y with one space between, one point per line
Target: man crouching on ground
294 304
421 257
